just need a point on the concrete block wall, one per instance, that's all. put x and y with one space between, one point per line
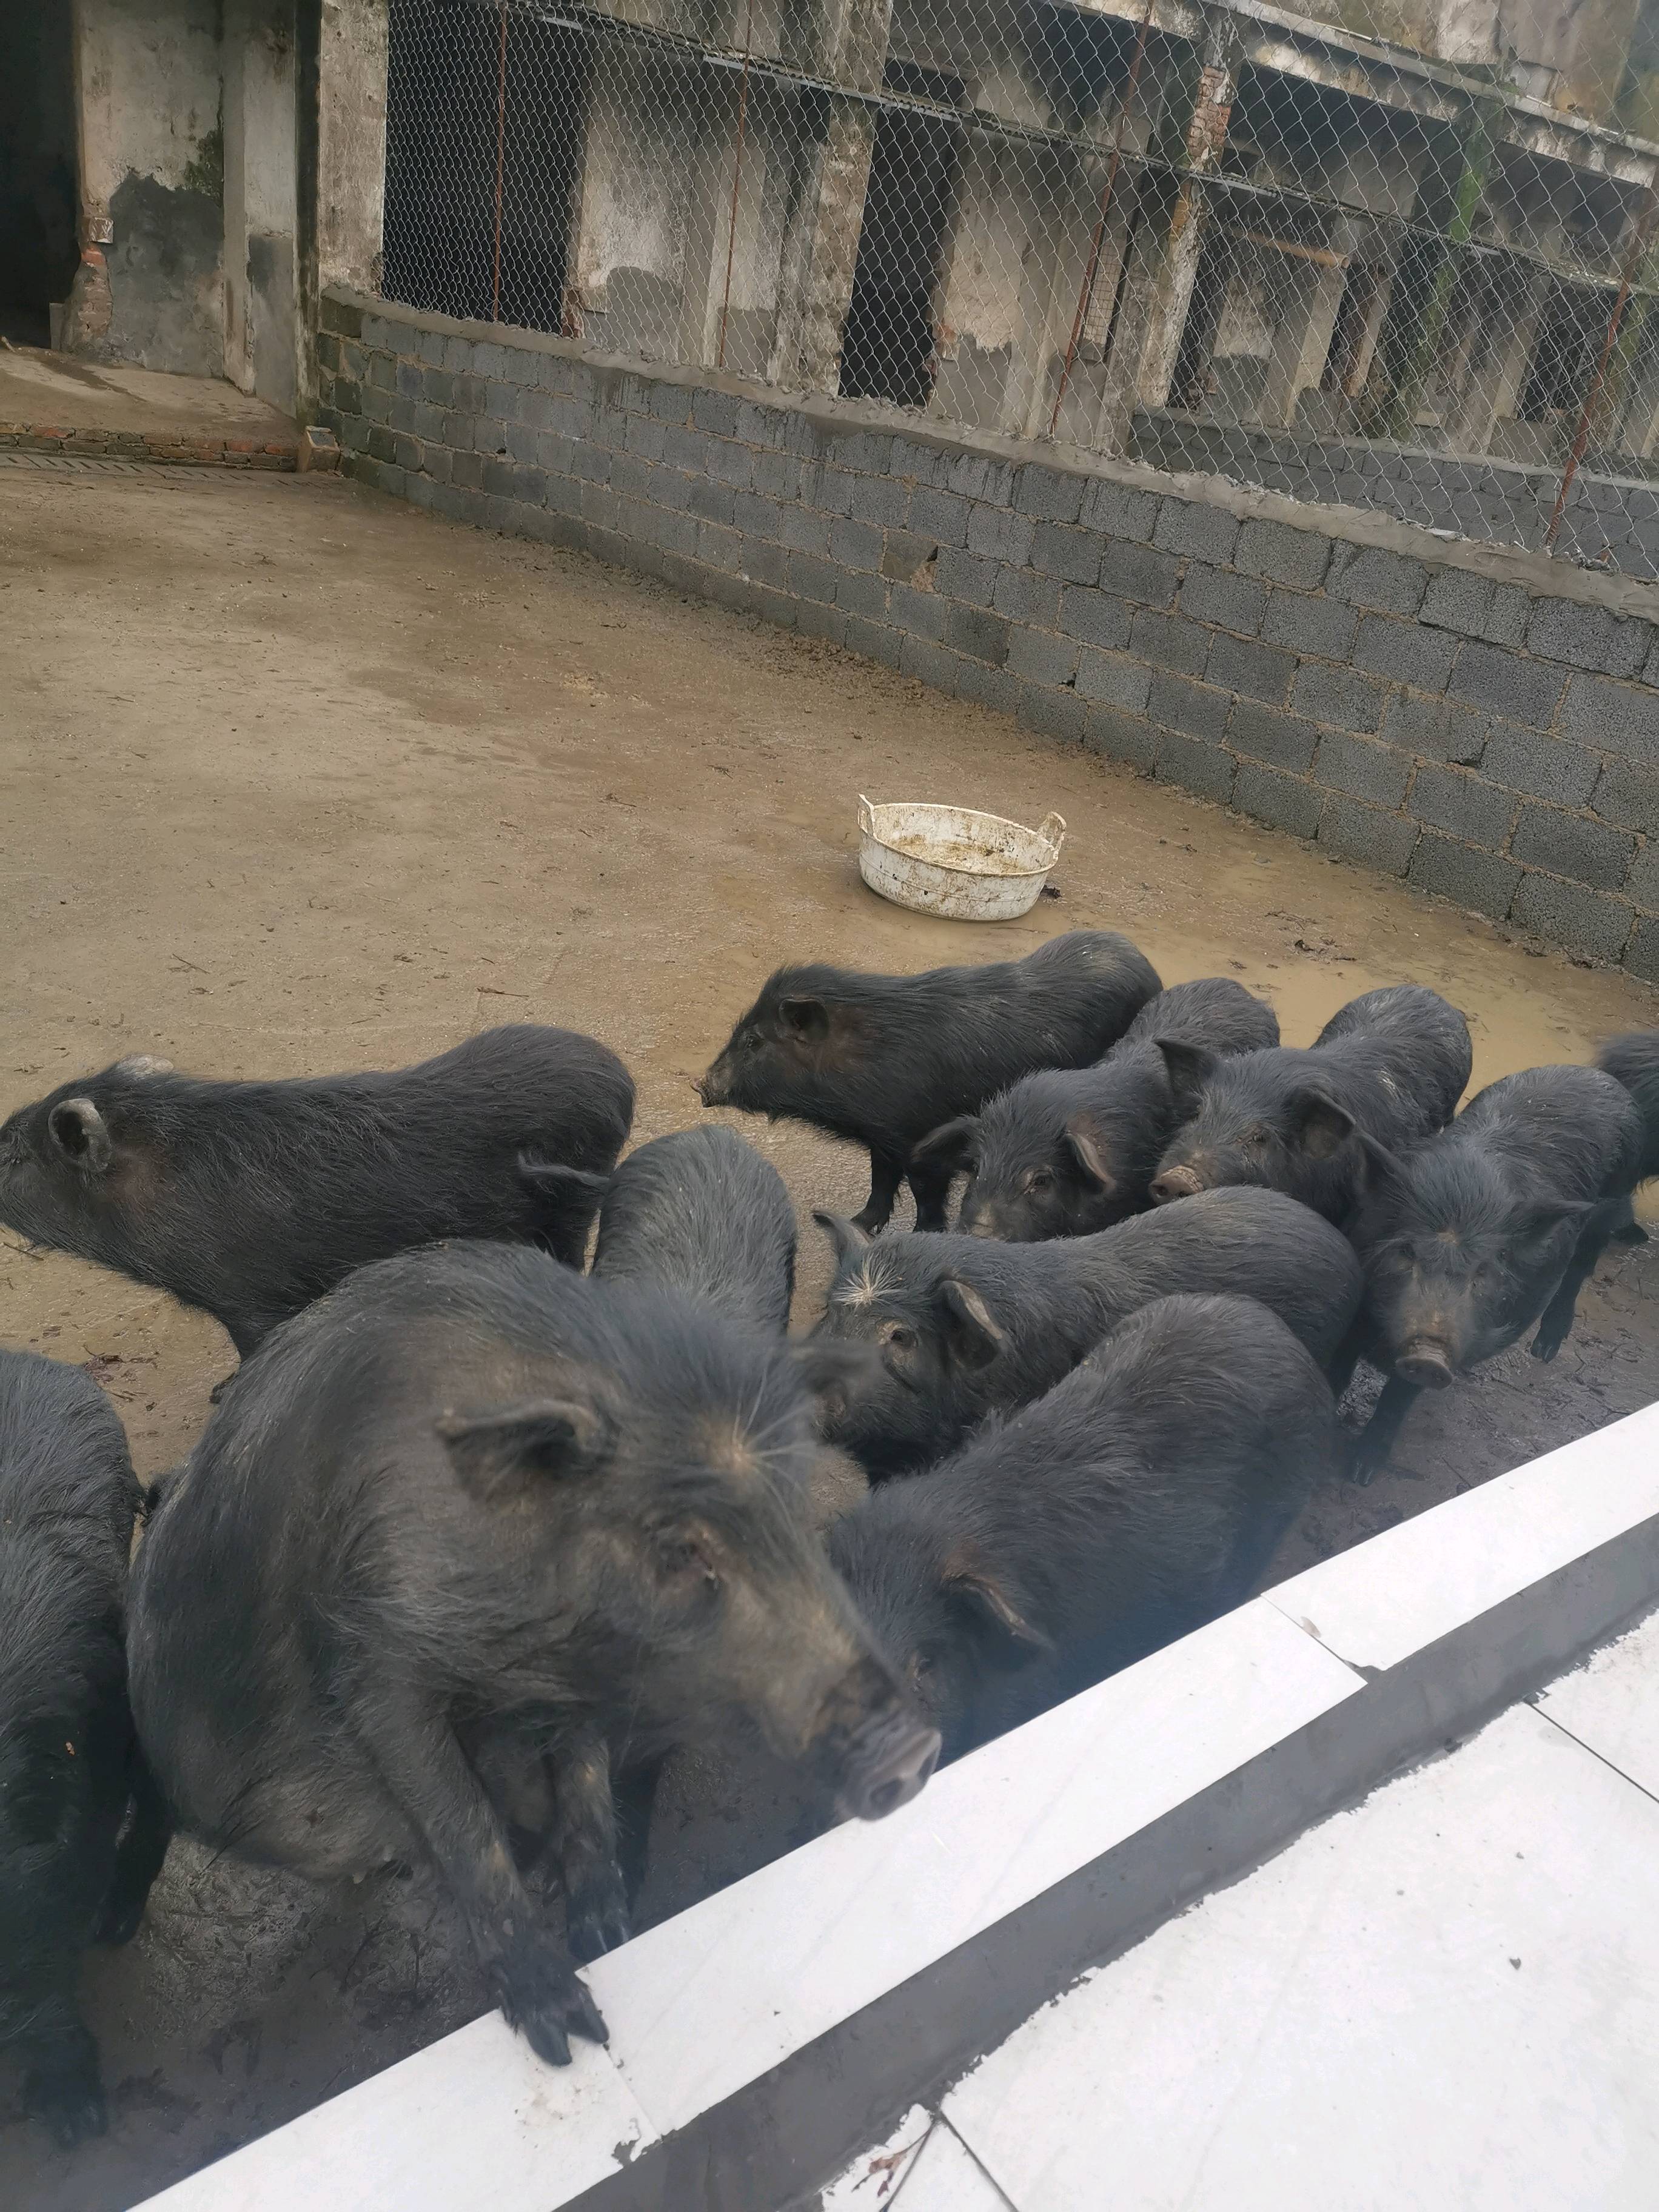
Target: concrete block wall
1611 516
1484 725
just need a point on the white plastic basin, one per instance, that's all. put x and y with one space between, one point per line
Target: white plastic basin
953 861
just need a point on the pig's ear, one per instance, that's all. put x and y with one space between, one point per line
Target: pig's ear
573 1182
974 1338
950 1145
1190 1068
1002 1632
846 1235
500 1454
805 1019
1318 1124
1379 1168
78 1130
1084 1141
1541 1221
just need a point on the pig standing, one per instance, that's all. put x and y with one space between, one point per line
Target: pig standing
1069 1150
250 1199
1144 1494
962 1326
81 1833
1391 1064
703 1214
1633 1060
882 1060
471 1506
1492 1225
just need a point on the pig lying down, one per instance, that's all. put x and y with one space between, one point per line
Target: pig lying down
250 1199
471 1511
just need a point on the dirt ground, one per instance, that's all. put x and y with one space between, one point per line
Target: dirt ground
295 778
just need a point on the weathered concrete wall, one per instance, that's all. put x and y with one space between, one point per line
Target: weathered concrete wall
262 332
152 172
1485 724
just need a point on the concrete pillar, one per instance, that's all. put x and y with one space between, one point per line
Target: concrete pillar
1302 337
1495 389
262 335
1392 412
1168 236
845 45
350 138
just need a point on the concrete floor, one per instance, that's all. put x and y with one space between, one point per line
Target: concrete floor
295 778
40 387
1447 1996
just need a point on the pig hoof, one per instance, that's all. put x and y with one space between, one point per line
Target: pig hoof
597 1923
72 2108
1363 1463
1545 1348
542 1998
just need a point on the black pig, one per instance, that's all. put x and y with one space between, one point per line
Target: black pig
81 1834
1633 1060
1143 1495
700 1212
250 1199
468 1498
1073 1150
882 1060
964 1327
1391 1064
1492 1225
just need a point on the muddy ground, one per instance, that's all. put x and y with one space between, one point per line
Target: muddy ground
295 778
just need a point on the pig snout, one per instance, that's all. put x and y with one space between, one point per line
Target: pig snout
1427 1363
873 1744
1176 1183
888 1766
714 1087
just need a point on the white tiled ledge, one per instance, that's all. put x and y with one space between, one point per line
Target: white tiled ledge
759 2038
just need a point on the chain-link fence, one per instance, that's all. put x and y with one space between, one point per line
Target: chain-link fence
1406 261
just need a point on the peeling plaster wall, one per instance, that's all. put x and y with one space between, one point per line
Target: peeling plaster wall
152 164
261 330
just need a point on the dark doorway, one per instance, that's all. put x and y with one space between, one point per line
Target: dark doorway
887 349
38 251
484 117
1572 332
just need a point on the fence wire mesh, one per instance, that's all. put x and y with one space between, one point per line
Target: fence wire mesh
1408 261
